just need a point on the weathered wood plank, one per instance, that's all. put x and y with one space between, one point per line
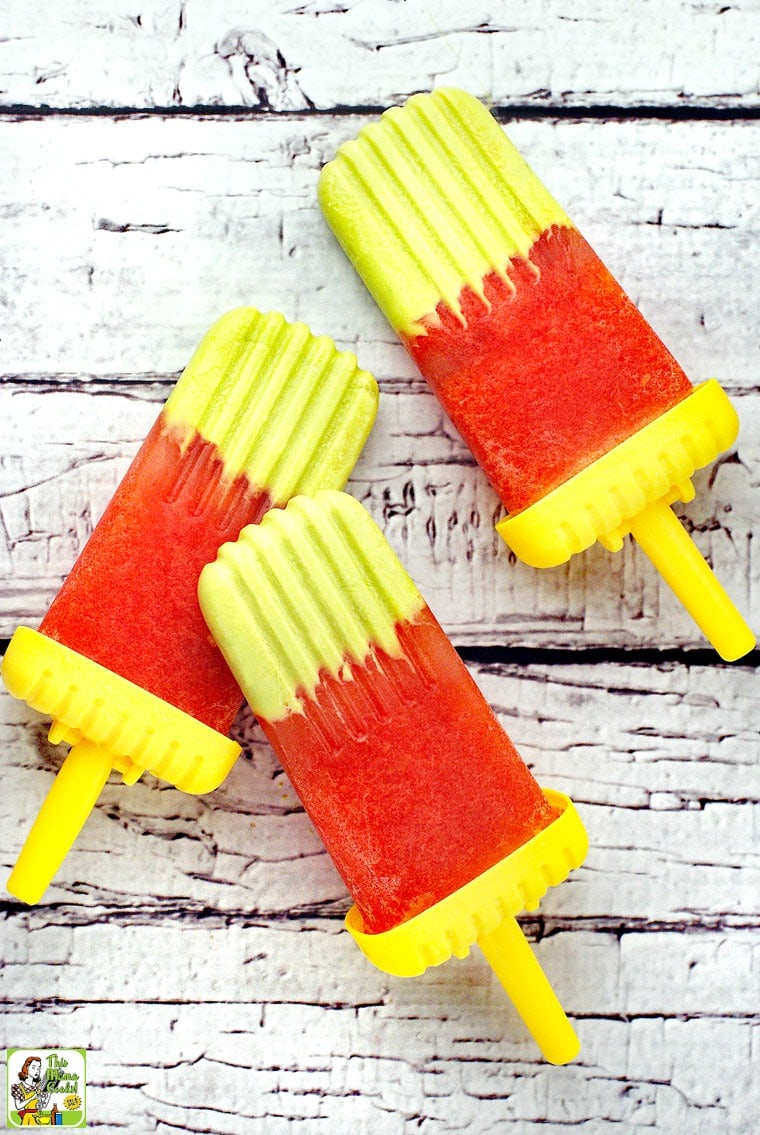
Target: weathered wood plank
195 945
316 964
63 454
158 225
662 762
188 958
239 1030
281 57
110 288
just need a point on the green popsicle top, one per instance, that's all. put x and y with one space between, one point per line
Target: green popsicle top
430 199
283 406
311 589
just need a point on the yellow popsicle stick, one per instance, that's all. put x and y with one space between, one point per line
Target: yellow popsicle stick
67 805
630 489
512 960
668 545
111 724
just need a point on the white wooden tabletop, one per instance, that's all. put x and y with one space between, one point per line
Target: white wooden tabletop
159 165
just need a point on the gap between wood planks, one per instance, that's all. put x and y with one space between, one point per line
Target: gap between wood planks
598 655
574 112
592 655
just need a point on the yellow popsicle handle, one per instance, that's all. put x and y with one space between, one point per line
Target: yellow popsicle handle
630 489
675 555
67 805
516 966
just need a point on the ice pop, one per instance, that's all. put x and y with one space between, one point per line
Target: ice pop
582 420
123 661
434 822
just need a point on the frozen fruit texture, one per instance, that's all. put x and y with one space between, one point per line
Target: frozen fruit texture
130 601
540 359
405 771
410 780
553 367
264 409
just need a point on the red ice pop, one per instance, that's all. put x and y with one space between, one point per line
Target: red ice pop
123 660
435 823
580 417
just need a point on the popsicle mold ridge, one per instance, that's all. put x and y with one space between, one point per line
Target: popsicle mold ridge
284 407
306 559
601 502
474 219
139 730
455 923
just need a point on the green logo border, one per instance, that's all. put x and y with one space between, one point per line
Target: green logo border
13 1124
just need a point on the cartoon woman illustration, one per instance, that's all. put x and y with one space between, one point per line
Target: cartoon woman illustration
31 1097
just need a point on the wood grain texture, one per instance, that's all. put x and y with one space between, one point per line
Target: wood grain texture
424 490
159 167
281 57
140 251
388 1067
125 237
222 919
661 760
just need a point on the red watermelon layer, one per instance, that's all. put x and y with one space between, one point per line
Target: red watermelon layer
408 777
556 369
130 601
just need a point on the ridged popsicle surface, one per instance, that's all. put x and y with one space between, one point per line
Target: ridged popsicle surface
402 766
430 200
540 359
263 409
283 407
313 590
